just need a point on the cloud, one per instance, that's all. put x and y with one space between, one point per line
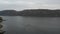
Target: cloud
29 4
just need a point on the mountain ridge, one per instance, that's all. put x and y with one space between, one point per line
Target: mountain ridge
32 12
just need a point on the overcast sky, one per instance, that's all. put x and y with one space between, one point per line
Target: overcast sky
29 4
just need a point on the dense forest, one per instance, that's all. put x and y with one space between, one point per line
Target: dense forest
31 12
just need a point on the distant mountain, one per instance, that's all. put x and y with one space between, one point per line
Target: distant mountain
40 12
8 13
31 12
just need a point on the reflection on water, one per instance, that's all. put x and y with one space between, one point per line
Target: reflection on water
31 25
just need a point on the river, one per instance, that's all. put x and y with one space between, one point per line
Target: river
31 25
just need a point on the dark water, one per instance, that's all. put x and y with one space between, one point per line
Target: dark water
31 25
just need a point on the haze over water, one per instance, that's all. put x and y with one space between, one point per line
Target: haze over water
31 25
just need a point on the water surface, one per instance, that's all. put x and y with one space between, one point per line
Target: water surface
31 25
